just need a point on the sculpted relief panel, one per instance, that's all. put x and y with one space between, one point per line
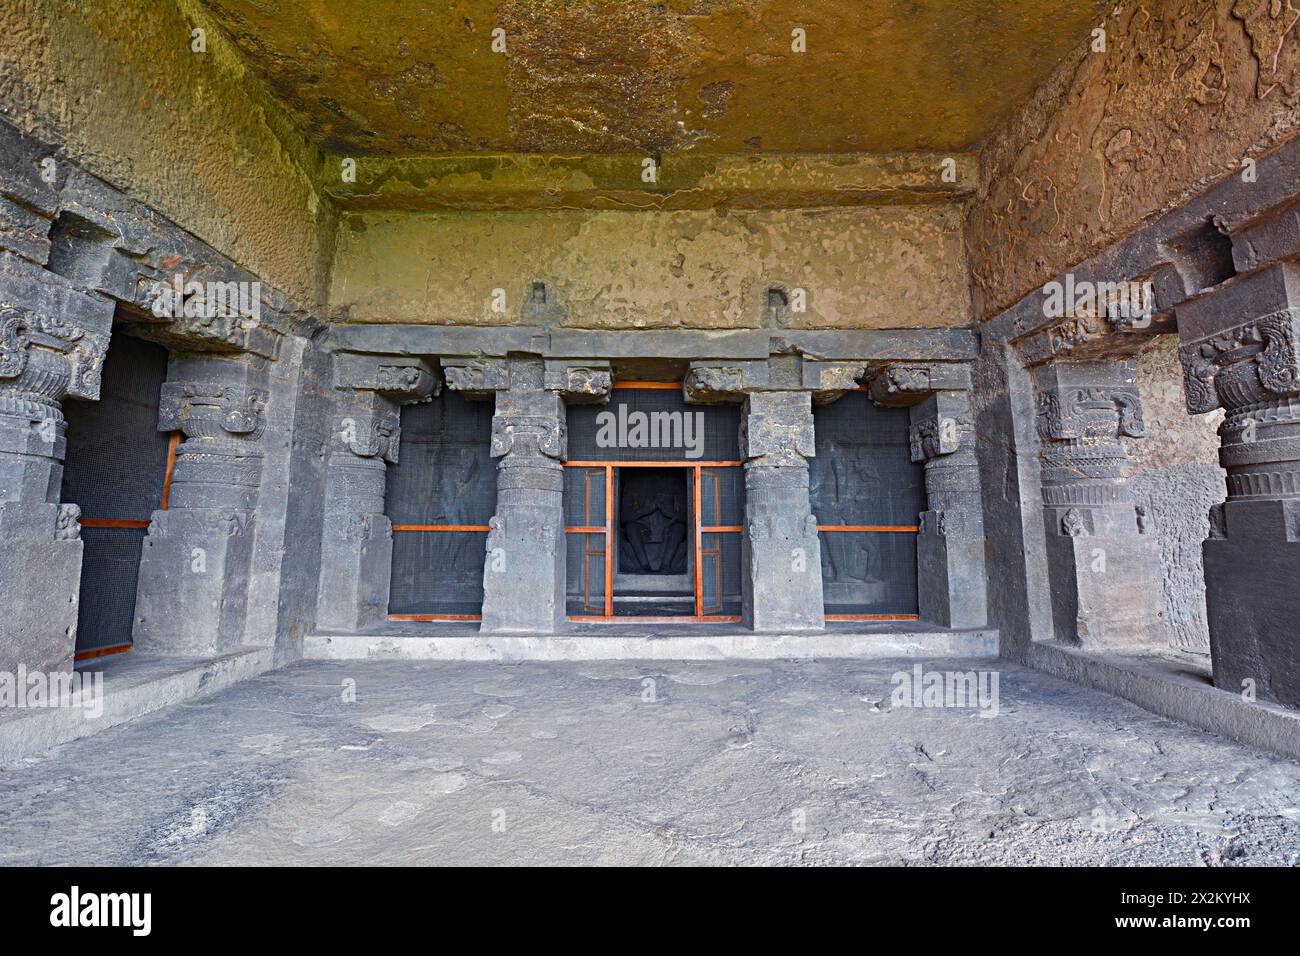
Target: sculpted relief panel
1182 92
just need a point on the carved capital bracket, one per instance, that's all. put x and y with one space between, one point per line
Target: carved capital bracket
788 371
1240 345
53 336
903 385
1085 410
937 436
1069 413
476 377
586 382
213 410
401 379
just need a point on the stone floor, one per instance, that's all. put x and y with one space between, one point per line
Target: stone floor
750 762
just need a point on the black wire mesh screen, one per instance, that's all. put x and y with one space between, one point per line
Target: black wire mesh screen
653 425
722 505
863 476
445 478
115 469
584 507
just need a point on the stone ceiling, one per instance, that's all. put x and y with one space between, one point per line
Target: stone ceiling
397 77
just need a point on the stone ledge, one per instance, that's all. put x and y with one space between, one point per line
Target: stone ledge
728 645
134 685
1180 690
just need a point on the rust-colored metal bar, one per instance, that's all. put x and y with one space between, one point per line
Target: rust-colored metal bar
112 523
699 557
441 527
654 464
873 617
101 652
869 527
649 385
172 443
721 528
609 540
630 619
435 617
584 529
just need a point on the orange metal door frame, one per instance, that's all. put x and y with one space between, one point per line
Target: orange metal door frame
608 530
879 529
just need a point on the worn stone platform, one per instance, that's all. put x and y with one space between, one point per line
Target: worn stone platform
647 763
640 641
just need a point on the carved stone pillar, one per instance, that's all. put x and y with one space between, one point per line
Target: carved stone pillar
52 345
1239 351
357 541
781 563
524 574
196 567
951 587
1103 563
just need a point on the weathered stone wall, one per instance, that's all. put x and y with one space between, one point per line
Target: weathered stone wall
862 267
1176 474
1183 92
192 135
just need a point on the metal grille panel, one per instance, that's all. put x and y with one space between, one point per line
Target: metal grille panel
662 411
115 469
445 477
863 476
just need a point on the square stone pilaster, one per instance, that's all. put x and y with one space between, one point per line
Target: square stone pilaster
1240 351
952 589
52 344
781 564
196 565
951 583
357 540
1103 564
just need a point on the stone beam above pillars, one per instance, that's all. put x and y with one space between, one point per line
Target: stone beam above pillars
524 574
1240 351
1103 563
53 338
357 539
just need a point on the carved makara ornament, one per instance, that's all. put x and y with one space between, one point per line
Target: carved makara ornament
1251 363
1073 524
528 435
935 437
377 439
1093 412
237 409
715 379
67 526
